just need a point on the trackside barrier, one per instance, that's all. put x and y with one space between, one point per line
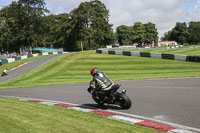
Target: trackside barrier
152 55
45 53
24 57
193 58
156 55
168 56
118 53
34 55
105 52
180 57
55 52
11 60
135 54
5 61
126 53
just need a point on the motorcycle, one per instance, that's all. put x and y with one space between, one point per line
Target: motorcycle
5 72
112 96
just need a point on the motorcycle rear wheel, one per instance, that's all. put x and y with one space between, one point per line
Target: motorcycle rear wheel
123 100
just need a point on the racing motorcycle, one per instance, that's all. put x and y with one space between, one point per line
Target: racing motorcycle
5 72
112 96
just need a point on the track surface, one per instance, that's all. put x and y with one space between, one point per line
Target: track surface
171 100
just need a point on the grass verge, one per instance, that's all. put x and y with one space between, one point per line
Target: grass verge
75 68
24 117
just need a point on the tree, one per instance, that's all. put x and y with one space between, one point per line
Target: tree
194 32
183 33
179 33
151 33
59 28
138 33
166 36
91 25
23 25
124 34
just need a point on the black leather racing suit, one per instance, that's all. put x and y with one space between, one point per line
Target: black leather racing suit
102 82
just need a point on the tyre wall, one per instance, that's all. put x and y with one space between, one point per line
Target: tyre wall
152 55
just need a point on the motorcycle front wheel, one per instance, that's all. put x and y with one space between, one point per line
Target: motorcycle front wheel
98 100
123 100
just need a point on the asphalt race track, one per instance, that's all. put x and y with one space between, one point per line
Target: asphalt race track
170 100
27 67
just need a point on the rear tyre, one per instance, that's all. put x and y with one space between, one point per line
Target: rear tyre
123 101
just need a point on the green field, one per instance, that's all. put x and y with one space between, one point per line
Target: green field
188 51
25 117
75 68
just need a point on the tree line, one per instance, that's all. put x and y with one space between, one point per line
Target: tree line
138 33
28 23
184 33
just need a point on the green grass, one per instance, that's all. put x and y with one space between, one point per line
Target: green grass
192 52
25 117
75 68
17 63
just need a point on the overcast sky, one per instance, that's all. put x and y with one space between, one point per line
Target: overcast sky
163 13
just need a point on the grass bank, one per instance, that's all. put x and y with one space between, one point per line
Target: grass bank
24 117
183 51
75 68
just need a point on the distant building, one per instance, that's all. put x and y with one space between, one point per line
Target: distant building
167 43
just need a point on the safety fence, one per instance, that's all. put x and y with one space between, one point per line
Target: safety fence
151 55
9 60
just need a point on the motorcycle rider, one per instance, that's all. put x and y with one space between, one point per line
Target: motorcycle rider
5 72
100 81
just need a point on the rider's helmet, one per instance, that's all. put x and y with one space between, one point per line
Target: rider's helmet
93 71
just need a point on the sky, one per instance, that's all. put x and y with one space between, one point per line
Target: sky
163 13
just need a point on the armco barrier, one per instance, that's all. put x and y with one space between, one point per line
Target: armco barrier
152 55
5 61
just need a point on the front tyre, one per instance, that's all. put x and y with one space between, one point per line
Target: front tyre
98 100
123 100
